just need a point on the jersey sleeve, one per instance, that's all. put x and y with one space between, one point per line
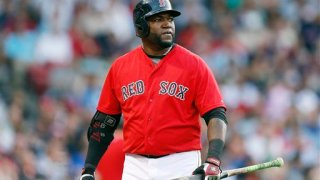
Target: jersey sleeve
208 95
108 102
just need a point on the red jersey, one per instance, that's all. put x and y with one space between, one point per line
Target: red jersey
160 103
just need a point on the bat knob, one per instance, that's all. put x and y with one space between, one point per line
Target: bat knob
280 161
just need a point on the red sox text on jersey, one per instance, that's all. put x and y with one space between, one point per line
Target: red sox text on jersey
166 88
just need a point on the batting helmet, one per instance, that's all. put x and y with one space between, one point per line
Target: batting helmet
147 8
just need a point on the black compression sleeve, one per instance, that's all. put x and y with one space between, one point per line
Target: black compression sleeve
102 130
219 113
96 151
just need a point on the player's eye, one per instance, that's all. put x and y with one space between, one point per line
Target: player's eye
170 19
157 19
162 19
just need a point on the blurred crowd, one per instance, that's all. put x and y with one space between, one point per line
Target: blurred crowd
54 56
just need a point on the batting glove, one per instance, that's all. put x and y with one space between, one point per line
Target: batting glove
210 169
87 174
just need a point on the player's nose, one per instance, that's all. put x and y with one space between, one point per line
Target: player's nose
167 24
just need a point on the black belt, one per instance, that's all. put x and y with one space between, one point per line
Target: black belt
153 156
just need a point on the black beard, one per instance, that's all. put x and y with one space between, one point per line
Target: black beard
157 40
165 44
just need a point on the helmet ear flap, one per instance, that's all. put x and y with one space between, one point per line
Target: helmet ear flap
142 28
141 24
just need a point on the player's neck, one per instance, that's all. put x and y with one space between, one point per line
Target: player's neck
156 51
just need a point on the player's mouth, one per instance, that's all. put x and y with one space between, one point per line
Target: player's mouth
167 34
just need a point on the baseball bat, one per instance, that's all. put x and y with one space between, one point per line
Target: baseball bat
232 172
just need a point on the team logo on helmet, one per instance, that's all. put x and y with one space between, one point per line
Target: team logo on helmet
162 3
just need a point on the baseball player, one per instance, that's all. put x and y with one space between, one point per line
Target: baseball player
161 89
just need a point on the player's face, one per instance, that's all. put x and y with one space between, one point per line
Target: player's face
162 29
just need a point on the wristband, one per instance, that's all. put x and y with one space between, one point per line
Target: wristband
215 149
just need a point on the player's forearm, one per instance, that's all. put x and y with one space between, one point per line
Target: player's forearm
217 129
100 135
95 152
216 137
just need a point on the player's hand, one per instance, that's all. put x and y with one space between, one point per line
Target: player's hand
210 169
87 174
